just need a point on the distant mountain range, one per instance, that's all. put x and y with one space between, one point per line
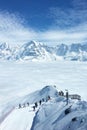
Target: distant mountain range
35 51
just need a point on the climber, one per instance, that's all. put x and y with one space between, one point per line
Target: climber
40 102
19 106
28 103
36 104
33 108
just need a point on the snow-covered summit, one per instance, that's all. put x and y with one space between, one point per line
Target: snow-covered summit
30 44
34 51
49 90
5 51
52 114
4 46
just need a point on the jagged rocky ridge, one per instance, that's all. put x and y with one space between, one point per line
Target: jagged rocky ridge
38 51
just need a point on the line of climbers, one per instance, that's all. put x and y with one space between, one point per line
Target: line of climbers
36 103
61 93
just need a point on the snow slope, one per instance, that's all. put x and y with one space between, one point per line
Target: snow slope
23 117
19 119
50 115
8 107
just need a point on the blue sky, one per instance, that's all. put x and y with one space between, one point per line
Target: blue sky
50 21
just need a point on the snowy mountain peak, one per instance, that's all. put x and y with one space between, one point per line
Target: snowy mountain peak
35 51
5 51
4 46
30 44
49 90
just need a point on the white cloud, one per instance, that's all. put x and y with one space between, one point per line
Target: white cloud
69 24
14 31
66 17
66 36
